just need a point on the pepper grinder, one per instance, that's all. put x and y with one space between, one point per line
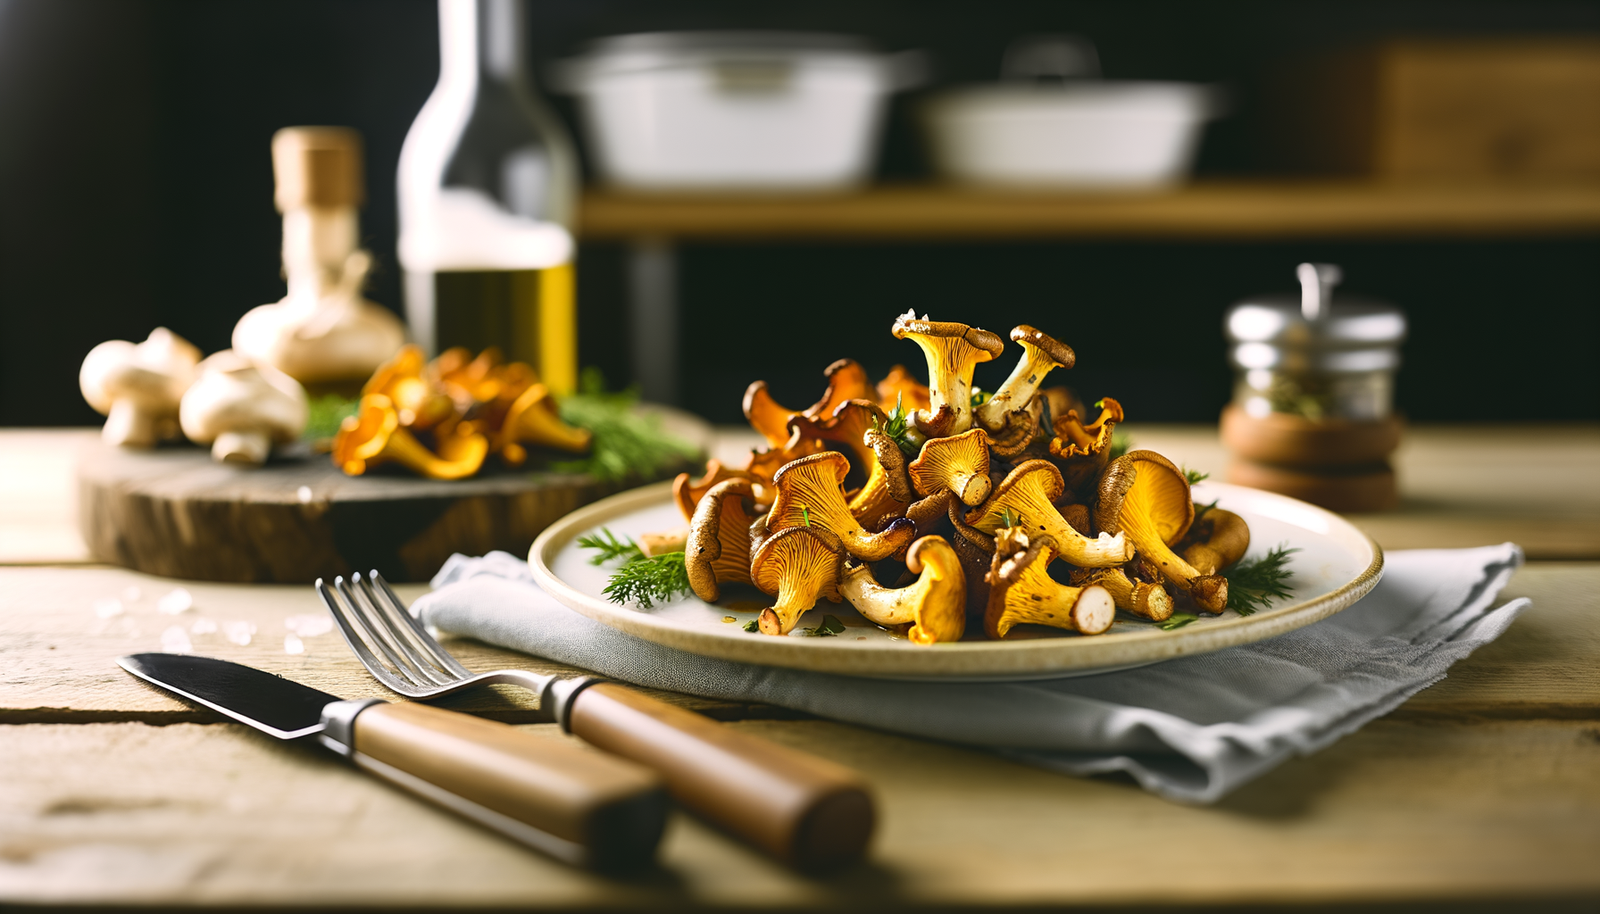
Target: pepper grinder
1312 414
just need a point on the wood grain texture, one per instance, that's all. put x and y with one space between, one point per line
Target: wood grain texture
174 511
59 653
1400 811
1207 210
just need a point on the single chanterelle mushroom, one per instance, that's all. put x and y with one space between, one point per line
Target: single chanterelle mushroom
1041 352
1223 538
798 566
323 332
935 605
1020 590
810 495
846 381
1141 598
532 419
137 386
959 463
887 493
1025 499
1144 496
952 350
1082 451
687 491
373 435
718 549
242 409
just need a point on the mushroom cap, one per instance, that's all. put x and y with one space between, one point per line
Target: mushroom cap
847 424
719 539
983 344
233 394
687 491
532 419
812 556
847 380
959 463
810 494
942 614
336 342
1021 590
417 399
1157 486
156 371
1058 351
898 386
1226 540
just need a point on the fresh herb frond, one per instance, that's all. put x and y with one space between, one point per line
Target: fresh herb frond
626 442
1100 403
896 428
1195 476
609 547
1006 518
805 515
1120 444
752 626
1203 510
648 581
979 397
830 627
1177 621
325 414
1254 583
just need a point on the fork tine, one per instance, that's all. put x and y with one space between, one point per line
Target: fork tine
351 627
397 629
405 660
390 602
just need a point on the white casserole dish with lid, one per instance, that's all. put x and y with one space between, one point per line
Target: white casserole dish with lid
734 110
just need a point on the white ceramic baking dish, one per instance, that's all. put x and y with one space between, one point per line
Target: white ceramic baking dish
726 110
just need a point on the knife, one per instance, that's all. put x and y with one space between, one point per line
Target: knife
576 805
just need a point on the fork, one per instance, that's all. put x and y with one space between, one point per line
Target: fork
806 810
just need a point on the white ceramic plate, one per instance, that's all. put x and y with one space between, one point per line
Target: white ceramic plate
1336 565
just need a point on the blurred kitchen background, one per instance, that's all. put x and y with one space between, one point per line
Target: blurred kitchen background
136 190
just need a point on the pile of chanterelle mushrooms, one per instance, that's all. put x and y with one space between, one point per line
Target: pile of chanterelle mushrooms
1006 506
443 418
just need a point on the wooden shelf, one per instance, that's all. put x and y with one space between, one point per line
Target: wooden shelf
1209 210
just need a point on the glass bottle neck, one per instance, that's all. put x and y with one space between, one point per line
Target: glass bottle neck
483 42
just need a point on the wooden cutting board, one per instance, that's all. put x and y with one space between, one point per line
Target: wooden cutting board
175 512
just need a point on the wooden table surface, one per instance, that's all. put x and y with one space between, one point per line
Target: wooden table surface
1481 791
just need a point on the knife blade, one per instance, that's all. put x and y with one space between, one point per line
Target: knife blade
579 806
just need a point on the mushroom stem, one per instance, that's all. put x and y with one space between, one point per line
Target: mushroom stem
244 446
952 351
1021 591
934 605
133 423
1141 598
1228 542
1040 354
1024 498
801 583
1210 591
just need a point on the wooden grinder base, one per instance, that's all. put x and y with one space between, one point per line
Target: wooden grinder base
175 512
1339 464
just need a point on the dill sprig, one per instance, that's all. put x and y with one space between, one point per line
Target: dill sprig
1195 476
830 627
896 428
609 547
641 579
1201 510
1177 621
325 414
626 442
646 581
1254 583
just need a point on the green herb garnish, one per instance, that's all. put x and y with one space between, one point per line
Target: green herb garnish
1195 476
752 626
626 442
830 626
1006 518
609 547
897 429
1254 583
979 397
1120 444
1177 621
326 414
641 579
1202 510
805 515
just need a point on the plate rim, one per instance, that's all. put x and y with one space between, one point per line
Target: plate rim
1042 658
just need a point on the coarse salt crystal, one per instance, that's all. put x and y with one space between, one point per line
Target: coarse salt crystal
176 601
293 645
303 494
204 626
131 594
239 632
108 607
309 625
176 640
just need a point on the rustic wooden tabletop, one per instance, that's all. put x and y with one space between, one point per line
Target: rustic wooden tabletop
1483 790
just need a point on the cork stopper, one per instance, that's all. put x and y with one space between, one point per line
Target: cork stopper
317 167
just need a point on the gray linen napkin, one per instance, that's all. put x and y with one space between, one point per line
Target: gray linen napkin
1190 729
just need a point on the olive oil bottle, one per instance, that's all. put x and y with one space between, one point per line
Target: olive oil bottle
487 184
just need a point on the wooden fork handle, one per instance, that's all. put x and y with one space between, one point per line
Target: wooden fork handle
802 809
573 803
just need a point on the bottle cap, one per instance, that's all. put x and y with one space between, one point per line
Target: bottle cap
317 166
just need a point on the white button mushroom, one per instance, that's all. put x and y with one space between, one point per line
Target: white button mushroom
242 409
137 387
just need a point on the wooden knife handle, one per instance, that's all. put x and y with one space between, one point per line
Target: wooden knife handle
575 804
802 809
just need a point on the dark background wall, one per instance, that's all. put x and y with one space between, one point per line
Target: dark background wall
136 190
